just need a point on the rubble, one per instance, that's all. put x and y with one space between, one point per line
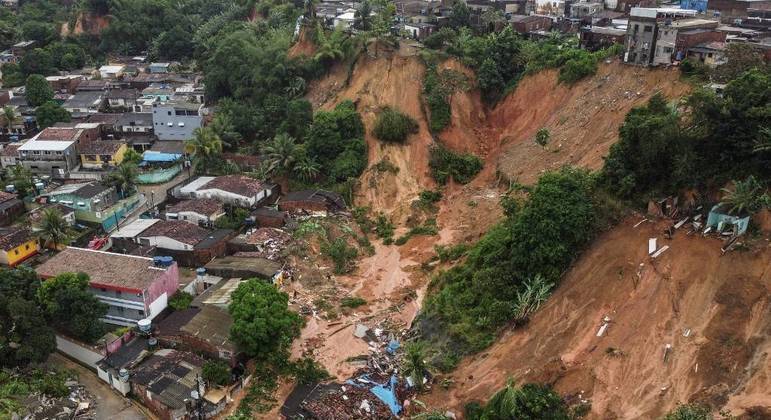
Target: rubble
78 404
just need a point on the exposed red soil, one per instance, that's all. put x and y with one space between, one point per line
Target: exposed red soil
86 23
723 300
304 46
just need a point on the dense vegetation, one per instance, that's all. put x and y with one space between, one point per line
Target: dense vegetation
446 164
393 126
528 402
437 88
506 273
661 150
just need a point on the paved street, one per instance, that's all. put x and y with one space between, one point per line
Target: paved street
109 404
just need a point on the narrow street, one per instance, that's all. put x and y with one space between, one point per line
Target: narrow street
109 404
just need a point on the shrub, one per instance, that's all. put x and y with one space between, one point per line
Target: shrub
352 302
689 412
216 372
307 371
450 253
384 228
445 164
430 197
531 401
341 254
575 69
180 301
393 126
542 137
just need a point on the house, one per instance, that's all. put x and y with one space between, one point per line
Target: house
133 287
674 38
122 99
84 103
720 219
710 53
10 208
419 31
159 67
311 201
135 122
204 330
177 120
731 9
112 71
529 24
166 381
189 244
198 211
190 92
9 155
345 20
94 204
268 217
92 85
642 32
20 48
594 38
36 215
161 92
102 153
16 245
237 190
52 152
261 242
114 369
65 84
243 267
583 9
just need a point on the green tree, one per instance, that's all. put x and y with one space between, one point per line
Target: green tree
124 178
181 301
306 169
542 137
132 156
25 334
21 178
53 228
38 91
689 412
460 14
393 126
282 153
205 146
530 402
49 114
263 326
222 125
38 31
341 254
330 47
362 19
37 61
216 372
9 117
69 305
414 363
747 197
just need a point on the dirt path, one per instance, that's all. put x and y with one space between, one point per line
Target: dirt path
110 405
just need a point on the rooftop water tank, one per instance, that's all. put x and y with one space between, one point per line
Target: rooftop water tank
144 325
123 375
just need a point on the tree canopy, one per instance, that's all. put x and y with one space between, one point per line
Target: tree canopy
70 306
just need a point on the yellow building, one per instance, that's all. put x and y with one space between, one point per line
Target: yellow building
99 153
16 245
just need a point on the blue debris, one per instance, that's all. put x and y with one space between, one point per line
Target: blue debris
393 345
388 395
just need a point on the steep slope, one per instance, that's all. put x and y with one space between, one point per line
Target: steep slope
723 301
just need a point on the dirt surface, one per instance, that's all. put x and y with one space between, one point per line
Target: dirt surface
109 404
723 301
304 46
86 23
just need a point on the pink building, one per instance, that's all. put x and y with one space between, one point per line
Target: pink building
133 287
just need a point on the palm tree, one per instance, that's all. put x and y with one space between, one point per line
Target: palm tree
205 144
9 117
296 87
282 153
763 142
124 178
330 47
414 365
748 196
222 126
53 228
306 169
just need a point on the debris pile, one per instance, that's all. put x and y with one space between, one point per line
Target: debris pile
264 243
78 404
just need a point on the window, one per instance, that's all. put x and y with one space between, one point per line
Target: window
169 112
26 247
181 124
648 28
16 251
140 312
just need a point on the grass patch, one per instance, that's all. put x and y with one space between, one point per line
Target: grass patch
352 302
393 126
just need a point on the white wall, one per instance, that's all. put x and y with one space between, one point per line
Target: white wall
165 242
158 305
76 351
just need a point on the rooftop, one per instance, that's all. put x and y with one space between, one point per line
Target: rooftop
84 100
11 237
90 190
101 147
6 196
122 94
212 325
236 184
170 375
184 232
131 230
243 267
58 134
135 118
205 206
103 268
11 149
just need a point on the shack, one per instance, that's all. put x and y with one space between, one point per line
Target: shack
232 267
721 220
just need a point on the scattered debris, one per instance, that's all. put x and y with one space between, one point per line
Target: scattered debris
660 251
651 245
667 350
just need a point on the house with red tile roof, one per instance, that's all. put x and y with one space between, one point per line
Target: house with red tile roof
237 190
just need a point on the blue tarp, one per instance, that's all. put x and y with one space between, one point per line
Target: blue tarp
393 345
150 156
385 392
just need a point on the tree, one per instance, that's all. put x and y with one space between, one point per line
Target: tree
21 178
222 126
53 228
38 31
330 48
9 117
216 372
69 305
460 14
542 136
530 402
393 126
747 197
204 146
362 19
740 57
132 156
24 333
124 178
414 365
341 254
49 114
38 91
263 326
37 61
306 169
689 412
282 153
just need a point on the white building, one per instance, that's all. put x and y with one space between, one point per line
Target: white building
238 190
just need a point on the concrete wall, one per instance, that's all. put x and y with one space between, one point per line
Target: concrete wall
170 126
86 355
